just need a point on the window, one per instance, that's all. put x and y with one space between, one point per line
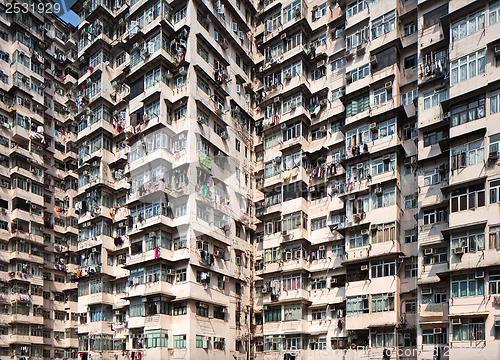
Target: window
410 305
201 342
381 269
180 308
385 232
388 198
494 101
382 339
467 198
359 38
357 305
356 7
338 64
272 343
434 336
468 111
494 143
411 62
317 224
358 105
494 281
468 66
410 236
410 202
272 314
407 98
495 237
202 309
411 270
382 302
180 275
293 312
433 17
432 177
468 241
439 255
202 52
219 343
384 24
433 137
494 11
434 98
318 314
470 329
467 26
467 285
179 341
381 96
409 29
434 216
357 240
468 154
360 73
319 11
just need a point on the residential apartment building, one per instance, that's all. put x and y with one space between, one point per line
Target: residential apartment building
164 151
38 225
336 249
261 180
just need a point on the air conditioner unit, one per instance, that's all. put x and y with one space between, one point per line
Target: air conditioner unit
364 232
456 321
428 251
373 60
373 126
459 251
348 76
322 129
497 321
182 70
145 117
480 275
437 330
288 76
170 272
283 126
388 85
360 166
426 291
312 189
293 106
497 50
320 63
277 99
238 88
152 235
378 190
446 115
284 233
364 267
373 227
200 120
386 157
351 197
224 44
224 135
169 74
263 291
